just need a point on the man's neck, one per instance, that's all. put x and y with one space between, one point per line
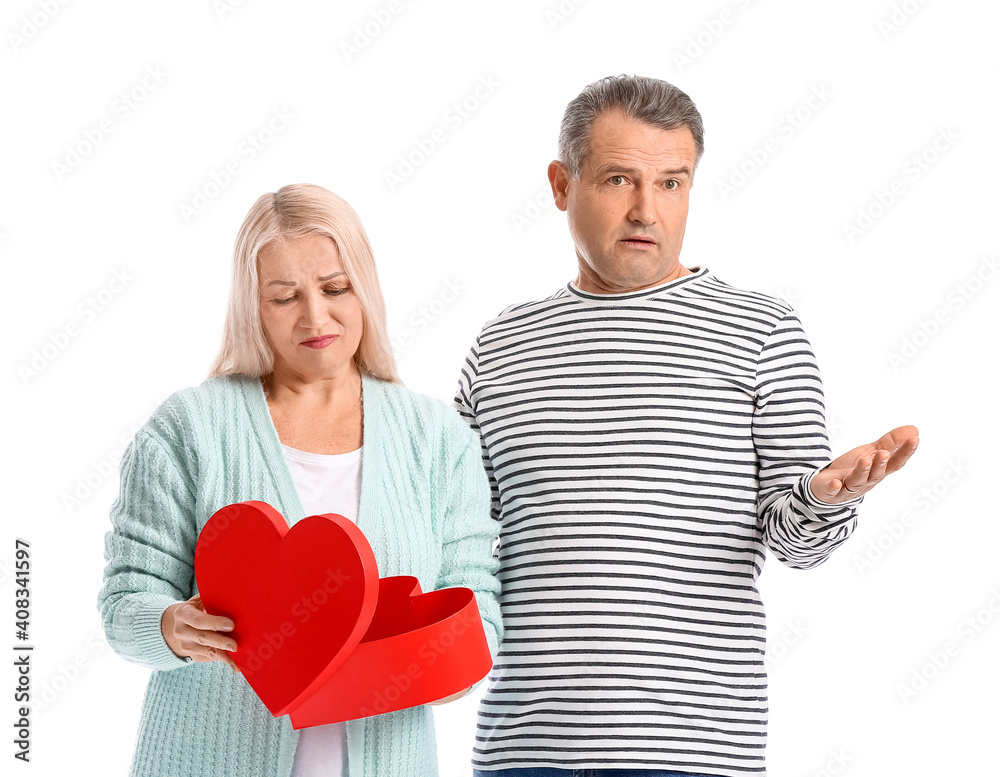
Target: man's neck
591 283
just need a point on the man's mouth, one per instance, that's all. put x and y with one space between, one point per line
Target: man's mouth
639 242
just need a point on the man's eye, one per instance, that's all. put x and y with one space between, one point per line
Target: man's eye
673 183
616 180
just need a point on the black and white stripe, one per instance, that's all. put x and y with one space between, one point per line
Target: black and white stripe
643 450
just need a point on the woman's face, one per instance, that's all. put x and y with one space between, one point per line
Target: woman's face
310 314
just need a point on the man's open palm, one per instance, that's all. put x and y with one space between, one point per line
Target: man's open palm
859 470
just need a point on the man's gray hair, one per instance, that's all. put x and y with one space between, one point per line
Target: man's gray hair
646 99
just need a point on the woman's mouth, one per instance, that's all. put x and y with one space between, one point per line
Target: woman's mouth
319 342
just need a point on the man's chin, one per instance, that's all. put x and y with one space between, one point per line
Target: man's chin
630 275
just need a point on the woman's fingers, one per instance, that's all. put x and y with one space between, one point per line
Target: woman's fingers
200 620
190 631
204 633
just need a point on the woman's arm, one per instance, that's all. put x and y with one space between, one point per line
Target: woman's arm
150 551
467 531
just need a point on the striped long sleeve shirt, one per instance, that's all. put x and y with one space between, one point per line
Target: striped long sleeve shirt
643 450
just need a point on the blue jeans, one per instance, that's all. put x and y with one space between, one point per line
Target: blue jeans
549 771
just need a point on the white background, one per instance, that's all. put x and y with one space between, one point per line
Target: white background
901 313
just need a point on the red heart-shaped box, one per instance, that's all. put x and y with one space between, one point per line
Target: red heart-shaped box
319 636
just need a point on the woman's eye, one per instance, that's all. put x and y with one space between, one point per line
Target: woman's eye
282 301
338 291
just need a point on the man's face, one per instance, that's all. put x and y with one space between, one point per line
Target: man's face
628 209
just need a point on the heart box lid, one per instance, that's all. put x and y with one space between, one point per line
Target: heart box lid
319 636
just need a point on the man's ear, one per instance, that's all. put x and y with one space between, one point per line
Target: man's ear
559 178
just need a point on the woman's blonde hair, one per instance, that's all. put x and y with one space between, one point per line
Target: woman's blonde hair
295 211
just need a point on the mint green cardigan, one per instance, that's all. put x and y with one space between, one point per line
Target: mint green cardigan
424 509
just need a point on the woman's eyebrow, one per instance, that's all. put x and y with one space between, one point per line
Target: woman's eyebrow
292 283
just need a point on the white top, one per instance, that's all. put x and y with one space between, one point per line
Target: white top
326 484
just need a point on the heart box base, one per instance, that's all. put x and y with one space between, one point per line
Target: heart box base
319 636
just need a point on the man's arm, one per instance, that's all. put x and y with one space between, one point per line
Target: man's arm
789 435
466 407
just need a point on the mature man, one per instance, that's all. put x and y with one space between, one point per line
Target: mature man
648 431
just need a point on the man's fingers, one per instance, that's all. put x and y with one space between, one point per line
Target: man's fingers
899 436
878 468
869 464
902 454
858 477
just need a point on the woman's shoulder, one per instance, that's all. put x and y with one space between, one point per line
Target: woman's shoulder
184 411
429 412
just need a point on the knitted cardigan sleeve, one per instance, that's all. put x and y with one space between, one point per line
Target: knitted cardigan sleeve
467 530
150 550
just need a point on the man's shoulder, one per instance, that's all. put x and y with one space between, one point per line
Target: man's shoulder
713 287
523 313
528 315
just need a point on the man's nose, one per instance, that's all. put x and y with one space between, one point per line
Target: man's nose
641 207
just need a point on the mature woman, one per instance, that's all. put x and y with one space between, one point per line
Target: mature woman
302 410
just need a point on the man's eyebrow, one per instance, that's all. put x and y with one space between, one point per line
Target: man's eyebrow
614 169
292 283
